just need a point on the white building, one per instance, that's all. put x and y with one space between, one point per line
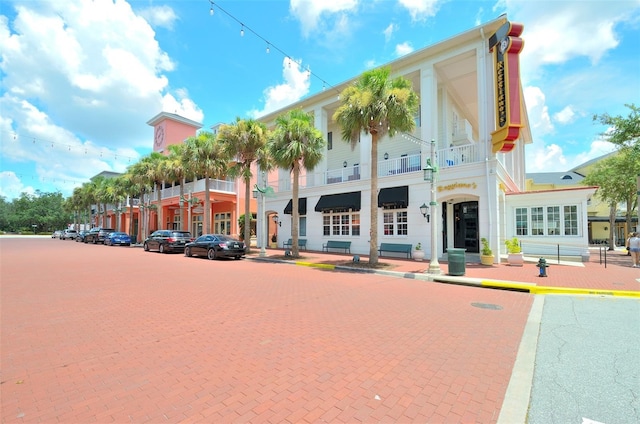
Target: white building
470 93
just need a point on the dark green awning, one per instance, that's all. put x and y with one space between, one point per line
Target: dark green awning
397 197
302 206
339 202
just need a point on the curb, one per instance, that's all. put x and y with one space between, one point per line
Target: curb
464 281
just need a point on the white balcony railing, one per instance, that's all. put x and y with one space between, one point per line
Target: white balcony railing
197 186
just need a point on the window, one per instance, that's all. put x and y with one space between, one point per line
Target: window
341 223
329 140
547 221
222 223
537 221
553 220
303 226
522 222
571 220
417 117
395 222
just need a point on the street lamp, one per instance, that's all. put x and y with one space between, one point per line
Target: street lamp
262 223
430 176
424 210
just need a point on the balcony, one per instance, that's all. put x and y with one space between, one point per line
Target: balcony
462 133
401 165
197 186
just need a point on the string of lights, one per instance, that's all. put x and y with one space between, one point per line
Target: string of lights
25 178
269 45
92 151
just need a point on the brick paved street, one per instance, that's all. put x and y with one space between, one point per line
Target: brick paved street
114 334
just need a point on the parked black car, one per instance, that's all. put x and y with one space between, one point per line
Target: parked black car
216 246
165 241
97 235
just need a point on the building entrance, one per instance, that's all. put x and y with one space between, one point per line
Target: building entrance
465 226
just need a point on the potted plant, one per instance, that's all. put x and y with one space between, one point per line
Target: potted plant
486 254
418 253
514 252
274 241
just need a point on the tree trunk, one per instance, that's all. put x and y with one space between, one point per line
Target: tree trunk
247 213
612 225
373 210
207 207
184 225
295 213
159 210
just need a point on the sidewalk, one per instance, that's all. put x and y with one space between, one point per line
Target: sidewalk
617 277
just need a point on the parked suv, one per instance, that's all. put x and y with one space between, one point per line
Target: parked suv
97 235
68 234
167 241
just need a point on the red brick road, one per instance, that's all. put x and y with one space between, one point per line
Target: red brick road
114 334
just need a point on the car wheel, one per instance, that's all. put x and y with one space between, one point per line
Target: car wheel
161 248
146 247
187 252
237 257
211 254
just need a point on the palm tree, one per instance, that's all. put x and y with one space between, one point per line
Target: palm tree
209 160
156 173
296 143
176 171
98 189
243 141
139 176
377 105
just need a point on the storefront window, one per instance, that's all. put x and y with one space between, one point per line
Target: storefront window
341 223
571 220
522 219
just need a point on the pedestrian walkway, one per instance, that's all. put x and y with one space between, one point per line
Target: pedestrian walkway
601 275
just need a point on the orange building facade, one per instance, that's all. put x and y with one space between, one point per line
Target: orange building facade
184 210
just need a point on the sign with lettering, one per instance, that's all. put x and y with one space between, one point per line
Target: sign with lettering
506 45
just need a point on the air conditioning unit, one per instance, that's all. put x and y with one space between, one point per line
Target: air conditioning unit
462 133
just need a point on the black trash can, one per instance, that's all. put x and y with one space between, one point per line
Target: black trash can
456 258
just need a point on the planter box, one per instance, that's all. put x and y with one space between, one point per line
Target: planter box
486 260
515 259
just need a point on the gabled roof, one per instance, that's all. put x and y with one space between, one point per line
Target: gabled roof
557 178
173 117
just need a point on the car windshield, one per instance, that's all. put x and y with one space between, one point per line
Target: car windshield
118 234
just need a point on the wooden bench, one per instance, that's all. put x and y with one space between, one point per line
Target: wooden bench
396 247
302 244
336 244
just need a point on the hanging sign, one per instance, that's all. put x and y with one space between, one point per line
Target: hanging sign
506 45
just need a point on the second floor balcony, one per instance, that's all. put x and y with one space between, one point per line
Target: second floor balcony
445 158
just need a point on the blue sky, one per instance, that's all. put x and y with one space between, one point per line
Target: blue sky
80 78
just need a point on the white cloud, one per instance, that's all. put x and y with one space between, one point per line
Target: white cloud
421 9
80 100
159 16
558 31
182 106
403 48
102 60
370 64
296 85
542 157
388 31
538 112
565 116
11 186
311 12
